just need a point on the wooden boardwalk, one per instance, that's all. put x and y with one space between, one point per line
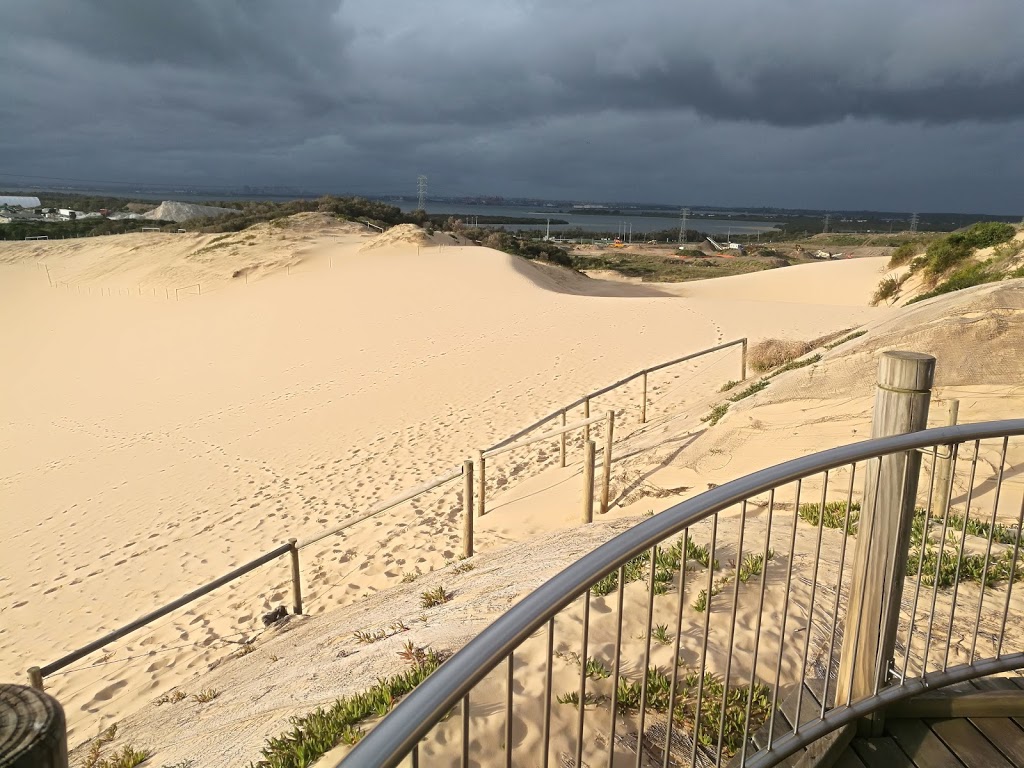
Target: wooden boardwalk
915 742
959 742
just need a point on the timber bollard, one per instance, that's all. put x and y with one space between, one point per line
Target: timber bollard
643 403
588 481
296 583
561 444
480 480
944 466
743 362
606 469
890 493
35 678
467 509
586 415
34 729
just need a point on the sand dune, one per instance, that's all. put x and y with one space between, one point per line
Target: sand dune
152 444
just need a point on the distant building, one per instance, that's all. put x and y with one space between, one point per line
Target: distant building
20 202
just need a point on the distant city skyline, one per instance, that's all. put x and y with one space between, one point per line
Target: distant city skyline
867 105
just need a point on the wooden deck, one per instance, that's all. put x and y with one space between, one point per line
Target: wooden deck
959 742
912 742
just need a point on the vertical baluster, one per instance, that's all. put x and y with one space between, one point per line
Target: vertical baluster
988 549
810 604
1013 577
954 450
547 693
583 678
647 654
732 631
757 625
465 731
785 613
960 553
675 648
616 665
508 710
839 588
922 552
704 643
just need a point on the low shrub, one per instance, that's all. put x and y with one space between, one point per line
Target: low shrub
889 288
771 353
967 277
902 255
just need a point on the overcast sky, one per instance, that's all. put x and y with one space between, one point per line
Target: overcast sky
879 104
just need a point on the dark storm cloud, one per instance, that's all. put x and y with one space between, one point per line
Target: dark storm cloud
703 101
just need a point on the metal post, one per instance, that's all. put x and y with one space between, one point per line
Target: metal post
35 678
606 469
296 583
901 406
561 443
588 481
481 472
467 511
944 465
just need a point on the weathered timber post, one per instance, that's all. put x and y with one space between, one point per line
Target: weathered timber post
35 678
561 443
944 465
467 509
588 481
643 403
606 469
586 415
480 480
296 583
743 362
35 731
901 405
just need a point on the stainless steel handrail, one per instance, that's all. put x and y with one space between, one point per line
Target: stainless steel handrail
397 734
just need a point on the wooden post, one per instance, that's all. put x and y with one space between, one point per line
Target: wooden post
606 470
561 443
48 275
586 415
588 481
35 678
481 471
901 405
743 362
944 466
296 584
643 404
467 509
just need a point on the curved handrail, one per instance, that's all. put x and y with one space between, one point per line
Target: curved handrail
388 743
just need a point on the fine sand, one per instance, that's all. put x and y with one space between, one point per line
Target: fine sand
153 443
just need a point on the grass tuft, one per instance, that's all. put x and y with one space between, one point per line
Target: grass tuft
205 695
716 414
835 515
436 596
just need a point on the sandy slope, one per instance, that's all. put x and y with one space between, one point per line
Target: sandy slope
151 444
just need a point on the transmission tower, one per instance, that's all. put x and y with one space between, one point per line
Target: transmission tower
913 223
682 223
421 191
825 229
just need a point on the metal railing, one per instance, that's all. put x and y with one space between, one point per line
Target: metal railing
719 630
38 674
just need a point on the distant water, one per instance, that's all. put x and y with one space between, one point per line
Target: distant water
594 222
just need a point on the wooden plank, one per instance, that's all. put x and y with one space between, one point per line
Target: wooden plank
939 704
824 752
1007 736
968 743
880 752
849 759
924 747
